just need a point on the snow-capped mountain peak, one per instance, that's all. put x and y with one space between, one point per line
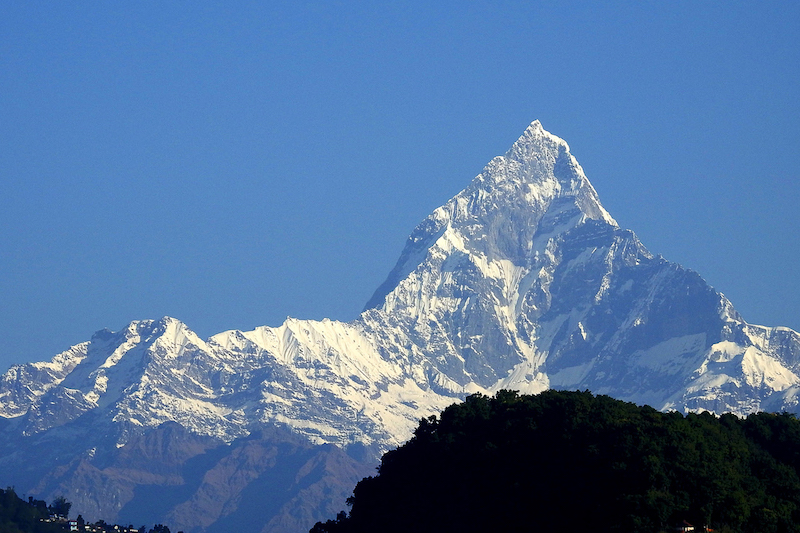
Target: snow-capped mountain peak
522 280
510 211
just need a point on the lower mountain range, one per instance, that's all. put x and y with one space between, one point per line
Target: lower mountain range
521 281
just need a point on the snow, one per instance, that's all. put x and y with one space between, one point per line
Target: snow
570 376
761 370
673 355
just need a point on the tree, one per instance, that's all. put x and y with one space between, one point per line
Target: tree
60 507
571 461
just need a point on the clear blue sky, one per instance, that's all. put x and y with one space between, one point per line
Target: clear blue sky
233 163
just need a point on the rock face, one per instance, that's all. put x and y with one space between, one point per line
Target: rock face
520 281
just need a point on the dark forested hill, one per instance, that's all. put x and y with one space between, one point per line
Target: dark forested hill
572 461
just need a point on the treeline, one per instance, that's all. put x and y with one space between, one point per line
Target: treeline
35 516
572 461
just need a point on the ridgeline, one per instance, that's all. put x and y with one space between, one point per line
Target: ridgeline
572 461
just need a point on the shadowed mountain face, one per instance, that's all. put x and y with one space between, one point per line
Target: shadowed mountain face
521 281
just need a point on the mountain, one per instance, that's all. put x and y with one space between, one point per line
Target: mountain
521 281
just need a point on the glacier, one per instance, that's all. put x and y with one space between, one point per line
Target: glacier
521 281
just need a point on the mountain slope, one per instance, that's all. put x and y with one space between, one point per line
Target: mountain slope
520 281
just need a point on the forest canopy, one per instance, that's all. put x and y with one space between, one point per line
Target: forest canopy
573 461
